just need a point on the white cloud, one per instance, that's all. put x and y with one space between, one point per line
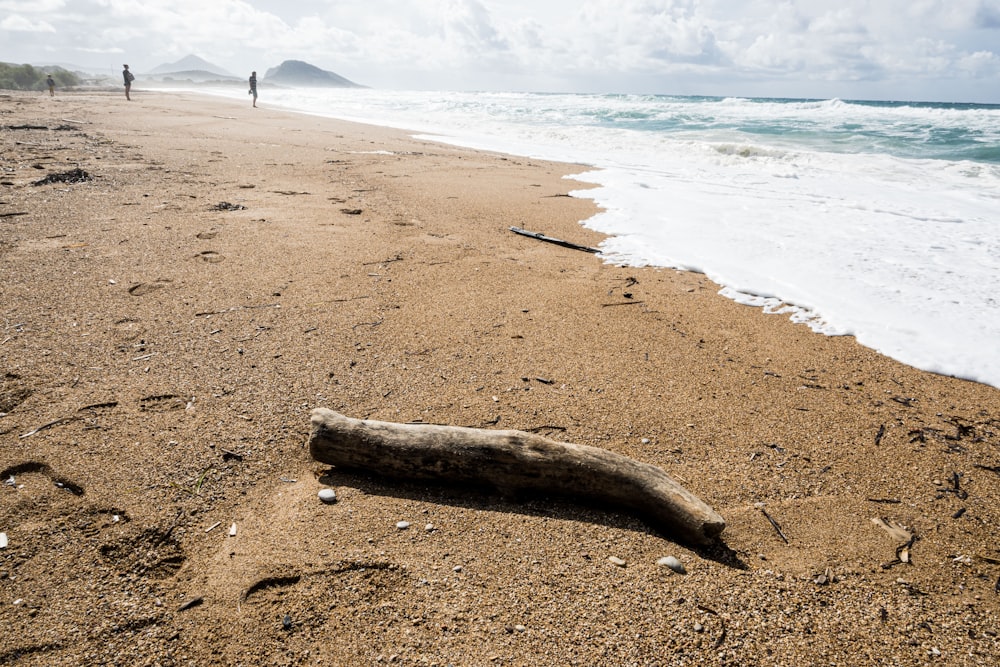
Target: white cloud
32 6
653 45
18 23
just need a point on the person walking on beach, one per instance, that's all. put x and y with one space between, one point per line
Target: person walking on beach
52 85
129 78
253 87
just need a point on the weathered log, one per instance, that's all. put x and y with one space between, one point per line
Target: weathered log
512 462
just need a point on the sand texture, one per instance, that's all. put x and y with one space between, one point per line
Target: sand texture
169 320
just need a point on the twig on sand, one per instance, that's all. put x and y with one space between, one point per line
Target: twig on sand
549 239
56 422
773 523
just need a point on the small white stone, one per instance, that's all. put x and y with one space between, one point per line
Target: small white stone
328 496
3 540
615 560
429 528
698 627
457 568
673 564
402 525
520 628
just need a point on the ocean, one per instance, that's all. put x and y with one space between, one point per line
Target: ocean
879 220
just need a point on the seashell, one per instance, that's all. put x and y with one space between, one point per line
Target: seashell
673 564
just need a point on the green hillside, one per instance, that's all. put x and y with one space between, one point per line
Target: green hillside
29 77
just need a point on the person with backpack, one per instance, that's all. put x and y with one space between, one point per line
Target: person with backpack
129 78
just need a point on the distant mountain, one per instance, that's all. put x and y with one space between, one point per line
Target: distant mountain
195 76
188 65
298 73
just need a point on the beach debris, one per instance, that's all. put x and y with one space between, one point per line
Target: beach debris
14 214
328 496
191 603
3 541
672 563
232 530
226 206
617 562
72 176
774 524
879 435
956 487
904 540
286 622
622 303
550 239
824 579
512 461
213 526
351 211
55 422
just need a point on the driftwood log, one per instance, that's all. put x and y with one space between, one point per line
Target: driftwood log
512 462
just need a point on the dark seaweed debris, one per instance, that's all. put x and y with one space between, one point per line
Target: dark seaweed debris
226 206
72 176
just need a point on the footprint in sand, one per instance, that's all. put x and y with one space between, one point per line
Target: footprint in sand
146 288
36 467
210 256
13 392
162 403
153 553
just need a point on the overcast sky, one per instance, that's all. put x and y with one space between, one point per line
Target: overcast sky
946 50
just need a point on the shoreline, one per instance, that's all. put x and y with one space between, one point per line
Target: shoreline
171 352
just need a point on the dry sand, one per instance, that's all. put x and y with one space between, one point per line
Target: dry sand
159 359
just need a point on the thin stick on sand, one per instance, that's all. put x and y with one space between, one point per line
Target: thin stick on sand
512 461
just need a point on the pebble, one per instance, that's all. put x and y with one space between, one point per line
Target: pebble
429 528
615 560
673 564
3 540
328 496
402 525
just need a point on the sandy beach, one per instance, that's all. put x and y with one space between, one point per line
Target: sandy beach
173 311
